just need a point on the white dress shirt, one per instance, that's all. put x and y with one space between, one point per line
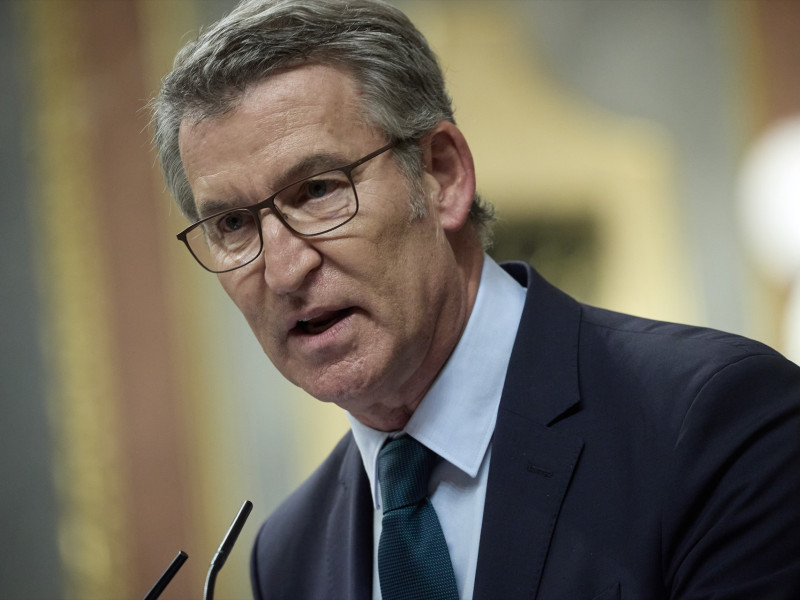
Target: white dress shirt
456 419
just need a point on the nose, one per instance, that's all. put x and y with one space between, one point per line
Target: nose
288 258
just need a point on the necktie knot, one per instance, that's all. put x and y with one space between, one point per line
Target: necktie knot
404 467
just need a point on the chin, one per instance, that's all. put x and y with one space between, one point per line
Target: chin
343 389
341 395
358 381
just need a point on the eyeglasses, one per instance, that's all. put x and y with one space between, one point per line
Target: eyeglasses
309 207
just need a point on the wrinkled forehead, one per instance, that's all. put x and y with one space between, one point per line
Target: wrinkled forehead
217 104
297 97
276 124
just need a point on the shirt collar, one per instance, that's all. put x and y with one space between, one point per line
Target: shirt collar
456 417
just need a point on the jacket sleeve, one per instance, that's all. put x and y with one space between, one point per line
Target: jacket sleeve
731 515
254 574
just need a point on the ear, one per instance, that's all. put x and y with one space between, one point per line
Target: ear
448 163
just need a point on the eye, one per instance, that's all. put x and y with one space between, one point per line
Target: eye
317 188
314 196
232 222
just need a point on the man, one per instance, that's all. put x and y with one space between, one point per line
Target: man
578 453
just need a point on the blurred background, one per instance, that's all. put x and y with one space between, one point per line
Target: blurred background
643 154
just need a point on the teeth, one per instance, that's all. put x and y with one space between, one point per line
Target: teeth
309 319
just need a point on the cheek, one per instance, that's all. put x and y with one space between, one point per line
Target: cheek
410 287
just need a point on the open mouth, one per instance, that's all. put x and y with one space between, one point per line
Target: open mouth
322 322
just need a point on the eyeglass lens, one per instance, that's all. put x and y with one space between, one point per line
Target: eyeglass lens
309 207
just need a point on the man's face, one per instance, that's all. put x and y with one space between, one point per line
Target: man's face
364 316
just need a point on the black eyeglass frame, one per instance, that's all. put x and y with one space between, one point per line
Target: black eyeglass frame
269 203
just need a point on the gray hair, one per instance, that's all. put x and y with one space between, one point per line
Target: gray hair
402 85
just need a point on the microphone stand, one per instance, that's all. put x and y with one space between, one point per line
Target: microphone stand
225 548
167 576
216 563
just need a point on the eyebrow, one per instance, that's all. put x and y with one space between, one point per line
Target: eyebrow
209 208
311 165
307 166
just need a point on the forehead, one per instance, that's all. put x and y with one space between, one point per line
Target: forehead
278 122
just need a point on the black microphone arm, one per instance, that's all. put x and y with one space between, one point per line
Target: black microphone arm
167 576
225 548
216 563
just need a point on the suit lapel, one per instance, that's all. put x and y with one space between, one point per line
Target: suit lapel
532 463
348 538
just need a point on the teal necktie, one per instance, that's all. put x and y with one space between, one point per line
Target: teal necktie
413 561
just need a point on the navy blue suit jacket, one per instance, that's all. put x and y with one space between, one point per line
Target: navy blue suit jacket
631 459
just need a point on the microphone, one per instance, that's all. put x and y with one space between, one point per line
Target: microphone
225 548
216 563
167 576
